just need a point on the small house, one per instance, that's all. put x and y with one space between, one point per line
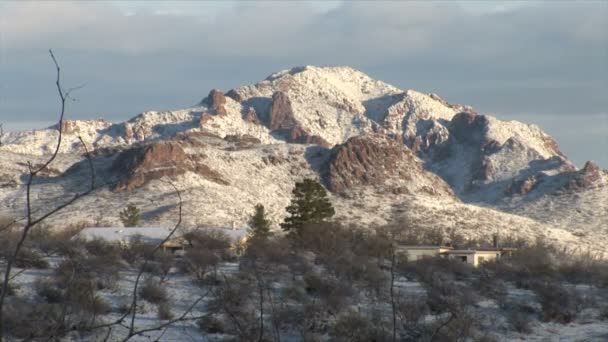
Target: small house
474 257
419 252
127 235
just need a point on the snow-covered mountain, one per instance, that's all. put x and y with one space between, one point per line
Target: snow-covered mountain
387 155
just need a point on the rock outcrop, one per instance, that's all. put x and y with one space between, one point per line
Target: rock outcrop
298 135
142 164
216 101
372 160
69 127
522 187
281 113
585 178
469 128
252 116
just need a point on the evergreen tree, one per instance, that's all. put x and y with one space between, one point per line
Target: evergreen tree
309 204
259 225
130 216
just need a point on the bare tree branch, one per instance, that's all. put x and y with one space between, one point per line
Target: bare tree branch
32 174
143 266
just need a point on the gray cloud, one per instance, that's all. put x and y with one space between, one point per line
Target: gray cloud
544 59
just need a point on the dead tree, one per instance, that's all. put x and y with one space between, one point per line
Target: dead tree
30 220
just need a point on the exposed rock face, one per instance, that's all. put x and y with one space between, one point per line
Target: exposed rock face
281 112
469 127
146 163
216 101
252 116
234 95
588 176
299 136
205 118
522 187
367 160
69 127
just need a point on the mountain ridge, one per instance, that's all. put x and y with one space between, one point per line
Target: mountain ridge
354 133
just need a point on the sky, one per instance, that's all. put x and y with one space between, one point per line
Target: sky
538 62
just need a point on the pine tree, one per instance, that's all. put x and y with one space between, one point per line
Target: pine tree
130 216
259 225
309 204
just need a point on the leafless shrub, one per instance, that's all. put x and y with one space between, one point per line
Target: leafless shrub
353 326
136 251
102 248
164 311
332 292
153 292
558 304
519 320
488 285
29 258
50 241
48 290
412 310
211 325
23 319
99 270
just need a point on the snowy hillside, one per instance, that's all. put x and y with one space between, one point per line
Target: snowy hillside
379 149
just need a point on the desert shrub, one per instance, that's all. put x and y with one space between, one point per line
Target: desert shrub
153 292
49 291
353 326
97 305
330 290
22 319
29 258
164 311
519 321
490 286
534 261
412 310
443 295
583 269
102 248
137 250
211 325
210 239
101 271
425 269
11 289
199 262
557 303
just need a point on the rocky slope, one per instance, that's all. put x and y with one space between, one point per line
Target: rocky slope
377 148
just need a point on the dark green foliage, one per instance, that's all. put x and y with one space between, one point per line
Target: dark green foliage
259 225
308 205
130 216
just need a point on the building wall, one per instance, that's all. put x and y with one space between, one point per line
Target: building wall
417 254
476 258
